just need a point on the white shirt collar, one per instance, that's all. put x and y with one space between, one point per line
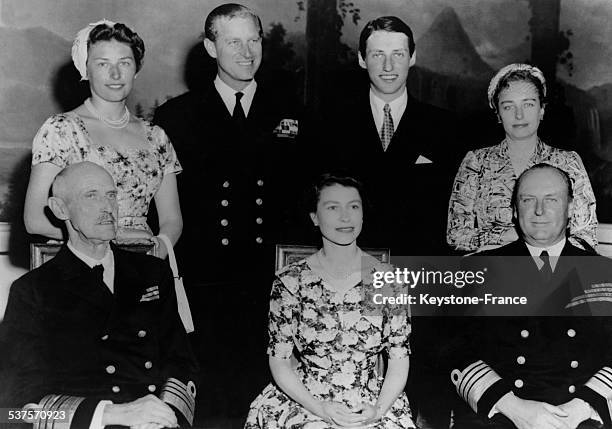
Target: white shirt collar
398 106
108 262
228 95
554 252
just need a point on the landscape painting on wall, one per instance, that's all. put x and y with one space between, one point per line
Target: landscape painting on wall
460 45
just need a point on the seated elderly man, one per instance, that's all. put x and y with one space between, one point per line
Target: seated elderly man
534 370
94 334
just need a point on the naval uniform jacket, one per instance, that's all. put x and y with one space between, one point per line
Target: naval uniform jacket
239 187
73 343
545 358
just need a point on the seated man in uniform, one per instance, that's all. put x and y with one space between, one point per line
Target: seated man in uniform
94 334
533 371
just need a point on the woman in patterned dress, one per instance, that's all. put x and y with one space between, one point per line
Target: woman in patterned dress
480 208
138 155
317 307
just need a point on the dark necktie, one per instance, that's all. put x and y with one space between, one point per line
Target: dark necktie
238 115
386 132
546 270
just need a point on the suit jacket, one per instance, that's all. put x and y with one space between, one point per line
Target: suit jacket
539 357
239 187
73 343
408 184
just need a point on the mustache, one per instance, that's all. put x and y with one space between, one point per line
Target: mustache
106 217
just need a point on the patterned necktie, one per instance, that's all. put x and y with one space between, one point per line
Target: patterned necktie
386 132
546 270
238 115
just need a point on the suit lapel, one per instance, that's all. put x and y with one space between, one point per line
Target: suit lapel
78 279
405 140
372 141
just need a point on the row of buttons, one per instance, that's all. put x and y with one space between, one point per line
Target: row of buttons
519 383
225 241
570 333
225 203
111 368
226 184
141 334
521 361
150 387
225 222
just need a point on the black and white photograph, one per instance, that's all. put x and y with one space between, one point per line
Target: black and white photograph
218 215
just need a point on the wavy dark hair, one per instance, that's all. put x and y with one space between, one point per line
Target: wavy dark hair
385 23
313 194
121 33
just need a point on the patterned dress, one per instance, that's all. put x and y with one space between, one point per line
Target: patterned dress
480 207
63 140
338 341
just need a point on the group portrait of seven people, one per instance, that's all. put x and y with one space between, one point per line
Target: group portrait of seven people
95 333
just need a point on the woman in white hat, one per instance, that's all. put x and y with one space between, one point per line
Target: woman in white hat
138 154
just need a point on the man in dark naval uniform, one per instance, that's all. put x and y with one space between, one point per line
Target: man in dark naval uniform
94 334
237 141
535 370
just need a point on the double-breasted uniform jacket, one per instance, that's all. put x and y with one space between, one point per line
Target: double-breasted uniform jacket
409 184
73 343
557 349
239 187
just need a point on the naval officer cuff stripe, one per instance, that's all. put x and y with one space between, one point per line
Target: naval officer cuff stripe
473 382
55 404
601 383
180 396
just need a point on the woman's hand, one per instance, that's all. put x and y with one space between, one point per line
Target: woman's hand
369 412
162 250
339 414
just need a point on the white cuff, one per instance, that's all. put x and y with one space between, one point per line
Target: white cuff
96 419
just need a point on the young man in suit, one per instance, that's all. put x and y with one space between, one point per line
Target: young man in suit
94 334
237 139
399 146
534 370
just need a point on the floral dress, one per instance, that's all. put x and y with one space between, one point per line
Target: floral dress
63 140
480 207
338 342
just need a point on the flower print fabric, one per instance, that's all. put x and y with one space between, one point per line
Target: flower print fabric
338 342
480 207
63 140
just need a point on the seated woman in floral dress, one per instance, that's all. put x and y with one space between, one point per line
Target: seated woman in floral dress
480 208
137 154
316 307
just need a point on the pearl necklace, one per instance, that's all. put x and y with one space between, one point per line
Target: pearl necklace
116 124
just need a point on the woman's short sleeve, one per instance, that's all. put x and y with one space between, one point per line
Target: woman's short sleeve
169 160
282 322
55 142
